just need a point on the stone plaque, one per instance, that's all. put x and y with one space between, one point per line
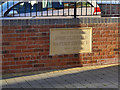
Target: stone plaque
70 40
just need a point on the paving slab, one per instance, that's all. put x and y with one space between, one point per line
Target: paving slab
105 76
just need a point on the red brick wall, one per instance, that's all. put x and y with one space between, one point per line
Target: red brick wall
26 48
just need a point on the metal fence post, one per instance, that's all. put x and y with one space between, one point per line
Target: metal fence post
75 11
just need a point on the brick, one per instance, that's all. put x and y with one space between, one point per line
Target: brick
37 26
15 51
18 58
39 65
8 31
44 38
111 53
96 36
87 58
26 54
5 43
32 62
44 34
44 30
26 27
104 35
13 35
15 27
21 47
38 57
38 50
32 30
26 66
20 39
15 67
106 43
27 58
8 39
20 31
44 57
76 55
18 43
9 55
33 38
6 67
50 57
117 49
112 39
8 63
96 43
97 50
102 46
27 50
33 46
5 52
97 57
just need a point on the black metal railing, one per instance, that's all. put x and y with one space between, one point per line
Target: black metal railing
38 9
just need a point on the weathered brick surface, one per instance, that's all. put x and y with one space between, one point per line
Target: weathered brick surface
26 48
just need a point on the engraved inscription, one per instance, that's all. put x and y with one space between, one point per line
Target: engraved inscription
70 40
